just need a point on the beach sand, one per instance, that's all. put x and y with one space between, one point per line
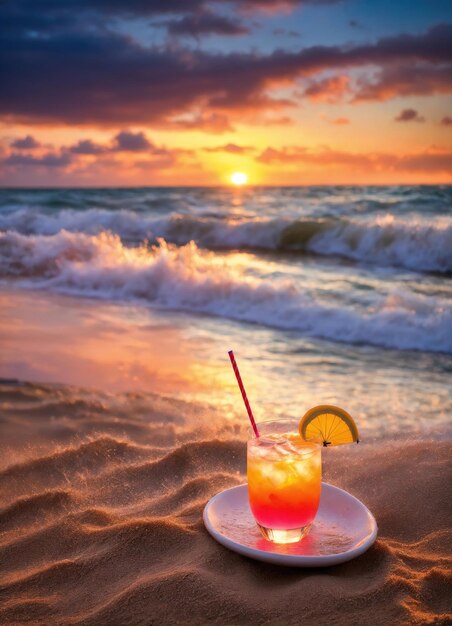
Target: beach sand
101 498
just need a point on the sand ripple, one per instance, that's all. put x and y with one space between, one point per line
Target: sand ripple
100 522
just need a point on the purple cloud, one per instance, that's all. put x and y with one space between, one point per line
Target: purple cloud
26 143
87 146
406 80
447 121
126 141
100 77
47 160
206 23
54 15
409 115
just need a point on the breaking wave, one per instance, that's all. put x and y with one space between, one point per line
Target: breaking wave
410 243
190 279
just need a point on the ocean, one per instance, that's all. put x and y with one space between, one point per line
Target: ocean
335 295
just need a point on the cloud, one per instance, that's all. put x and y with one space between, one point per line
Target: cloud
286 33
356 24
126 141
50 159
231 148
300 155
215 123
409 115
26 143
87 146
427 162
20 15
115 153
206 23
406 80
86 76
447 121
421 162
340 121
273 120
330 90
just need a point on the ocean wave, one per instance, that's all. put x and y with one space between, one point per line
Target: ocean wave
383 240
190 279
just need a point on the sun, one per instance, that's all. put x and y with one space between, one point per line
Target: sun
239 178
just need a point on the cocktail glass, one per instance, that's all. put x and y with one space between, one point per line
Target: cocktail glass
284 480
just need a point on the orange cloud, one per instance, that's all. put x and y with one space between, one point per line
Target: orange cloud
232 148
405 80
214 123
439 161
330 90
341 121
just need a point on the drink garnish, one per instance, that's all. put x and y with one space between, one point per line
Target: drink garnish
330 425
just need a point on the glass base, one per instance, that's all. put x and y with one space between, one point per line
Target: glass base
285 536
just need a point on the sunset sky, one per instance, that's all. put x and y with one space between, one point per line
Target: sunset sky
186 92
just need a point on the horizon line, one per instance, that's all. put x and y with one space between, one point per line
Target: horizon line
222 186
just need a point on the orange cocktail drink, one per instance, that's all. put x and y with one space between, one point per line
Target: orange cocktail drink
284 480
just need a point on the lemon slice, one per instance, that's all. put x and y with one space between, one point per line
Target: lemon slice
330 424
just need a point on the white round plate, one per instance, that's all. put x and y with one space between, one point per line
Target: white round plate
342 530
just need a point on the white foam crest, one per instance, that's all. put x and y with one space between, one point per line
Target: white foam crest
189 279
129 225
416 245
126 224
412 243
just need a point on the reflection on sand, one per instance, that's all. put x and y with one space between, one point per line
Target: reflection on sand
108 346
48 338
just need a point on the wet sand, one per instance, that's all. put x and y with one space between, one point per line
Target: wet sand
101 497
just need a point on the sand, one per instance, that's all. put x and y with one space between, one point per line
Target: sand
101 498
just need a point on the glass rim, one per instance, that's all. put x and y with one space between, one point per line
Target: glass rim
252 437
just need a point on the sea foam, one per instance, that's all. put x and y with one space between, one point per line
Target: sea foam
189 279
384 240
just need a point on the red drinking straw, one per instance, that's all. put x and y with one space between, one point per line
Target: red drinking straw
244 396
